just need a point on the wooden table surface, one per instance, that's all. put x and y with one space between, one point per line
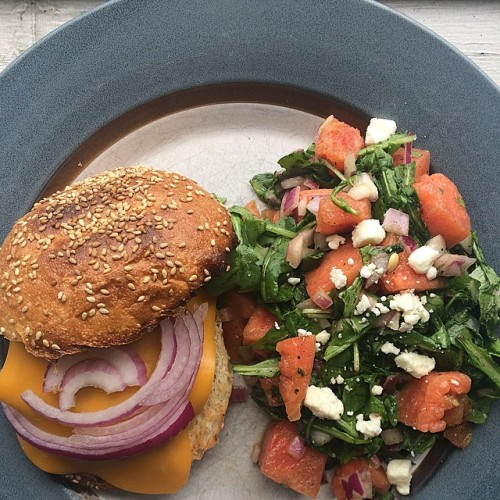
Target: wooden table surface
472 26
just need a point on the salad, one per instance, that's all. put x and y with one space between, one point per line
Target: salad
359 304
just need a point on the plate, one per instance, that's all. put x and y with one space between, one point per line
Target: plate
201 70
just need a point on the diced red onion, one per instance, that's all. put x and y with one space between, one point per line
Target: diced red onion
322 300
407 154
389 320
313 205
320 241
302 207
298 246
396 222
305 304
392 436
309 183
349 165
239 394
448 264
466 244
225 314
89 373
297 447
357 485
290 201
409 244
130 365
292 182
437 243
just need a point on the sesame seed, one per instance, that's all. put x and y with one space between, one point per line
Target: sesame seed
24 309
131 286
160 255
55 347
212 242
102 310
46 343
104 291
182 245
91 299
156 308
141 298
193 277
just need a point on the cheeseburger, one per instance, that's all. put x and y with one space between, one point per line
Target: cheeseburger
116 371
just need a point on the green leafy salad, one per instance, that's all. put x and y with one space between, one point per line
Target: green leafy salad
361 300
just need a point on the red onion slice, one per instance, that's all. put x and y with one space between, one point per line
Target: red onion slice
407 153
107 449
89 373
357 485
409 244
130 365
298 246
290 201
297 447
449 264
396 222
292 182
322 300
170 341
309 183
239 394
313 205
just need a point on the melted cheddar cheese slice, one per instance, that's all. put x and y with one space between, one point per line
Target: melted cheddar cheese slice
164 469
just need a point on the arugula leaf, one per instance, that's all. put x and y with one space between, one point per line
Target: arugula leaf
479 357
350 296
351 330
390 145
489 287
270 339
264 187
274 287
265 369
416 441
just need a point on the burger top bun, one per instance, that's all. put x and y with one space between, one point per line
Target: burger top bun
101 262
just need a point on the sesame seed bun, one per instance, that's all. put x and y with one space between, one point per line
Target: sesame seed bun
101 262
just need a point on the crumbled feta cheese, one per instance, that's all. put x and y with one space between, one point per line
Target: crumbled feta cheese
293 281
320 438
379 130
363 187
350 261
338 278
399 475
412 309
303 333
278 327
390 348
349 413
323 403
334 241
367 270
367 232
417 365
322 337
431 273
377 390
363 305
340 379
369 428
422 258
382 308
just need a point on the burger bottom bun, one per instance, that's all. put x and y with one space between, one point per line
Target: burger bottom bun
203 430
